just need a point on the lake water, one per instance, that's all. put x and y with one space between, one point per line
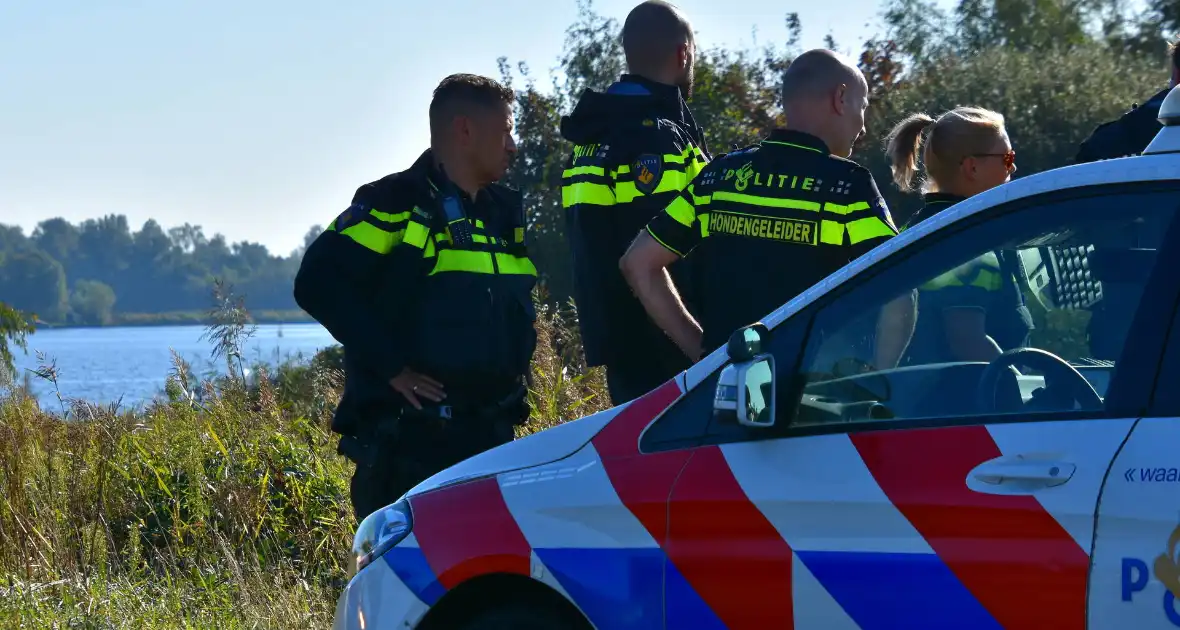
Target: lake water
103 364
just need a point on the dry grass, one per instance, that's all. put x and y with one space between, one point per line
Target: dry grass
222 506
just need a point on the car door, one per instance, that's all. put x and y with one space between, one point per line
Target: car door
1134 580
943 493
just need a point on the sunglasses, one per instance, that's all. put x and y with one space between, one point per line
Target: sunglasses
1009 157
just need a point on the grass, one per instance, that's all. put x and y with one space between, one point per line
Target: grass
221 505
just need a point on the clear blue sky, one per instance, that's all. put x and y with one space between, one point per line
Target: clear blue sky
259 119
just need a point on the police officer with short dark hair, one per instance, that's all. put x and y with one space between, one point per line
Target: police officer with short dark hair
636 146
426 282
773 219
1133 131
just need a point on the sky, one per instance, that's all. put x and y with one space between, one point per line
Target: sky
259 119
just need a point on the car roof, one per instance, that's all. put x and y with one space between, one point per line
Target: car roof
1140 168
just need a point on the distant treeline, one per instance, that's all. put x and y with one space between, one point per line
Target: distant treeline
101 272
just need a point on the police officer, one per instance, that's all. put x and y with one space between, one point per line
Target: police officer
1133 131
977 310
426 282
772 219
635 147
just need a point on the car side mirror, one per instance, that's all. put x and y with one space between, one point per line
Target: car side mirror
748 342
746 387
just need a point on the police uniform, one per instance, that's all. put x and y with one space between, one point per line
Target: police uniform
417 274
635 147
770 221
988 283
1125 136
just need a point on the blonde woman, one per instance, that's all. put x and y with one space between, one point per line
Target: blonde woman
977 310
965 152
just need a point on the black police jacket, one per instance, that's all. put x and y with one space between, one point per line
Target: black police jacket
1127 135
635 147
770 221
394 284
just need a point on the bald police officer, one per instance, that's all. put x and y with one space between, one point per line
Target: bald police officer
772 219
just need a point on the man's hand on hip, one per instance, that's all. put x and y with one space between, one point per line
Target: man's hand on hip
411 385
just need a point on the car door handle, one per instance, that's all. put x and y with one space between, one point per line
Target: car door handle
1019 471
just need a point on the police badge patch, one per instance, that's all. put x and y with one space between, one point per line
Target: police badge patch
351 216
648 171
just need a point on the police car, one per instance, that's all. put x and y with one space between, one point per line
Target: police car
783 483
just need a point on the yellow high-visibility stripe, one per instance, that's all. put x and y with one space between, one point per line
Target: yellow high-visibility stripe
831 232
373 237
768 202
987 280
867 228
416 234
681 210
672 158
584 170
982 272
984 279
587 193
672 181
600 193
390 218
462 260
836 208
515 265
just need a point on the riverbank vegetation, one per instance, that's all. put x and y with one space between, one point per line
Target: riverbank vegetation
224 505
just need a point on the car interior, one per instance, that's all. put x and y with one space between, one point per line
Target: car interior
1083 287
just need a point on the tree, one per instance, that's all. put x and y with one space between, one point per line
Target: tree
92 302
34 280
150 271
14 328
1051 94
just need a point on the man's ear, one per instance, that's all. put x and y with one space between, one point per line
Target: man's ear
682 55
839 96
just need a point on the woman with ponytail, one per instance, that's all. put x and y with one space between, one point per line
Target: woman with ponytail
965 152
976 311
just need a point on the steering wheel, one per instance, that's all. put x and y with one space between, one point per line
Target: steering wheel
1062 381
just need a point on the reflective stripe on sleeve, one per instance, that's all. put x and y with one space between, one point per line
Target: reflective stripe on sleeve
867 228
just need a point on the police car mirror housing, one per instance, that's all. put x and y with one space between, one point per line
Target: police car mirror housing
748 342
746 393
1167 140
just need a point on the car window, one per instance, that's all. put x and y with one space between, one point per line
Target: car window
1022 310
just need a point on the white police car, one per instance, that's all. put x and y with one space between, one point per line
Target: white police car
776 484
